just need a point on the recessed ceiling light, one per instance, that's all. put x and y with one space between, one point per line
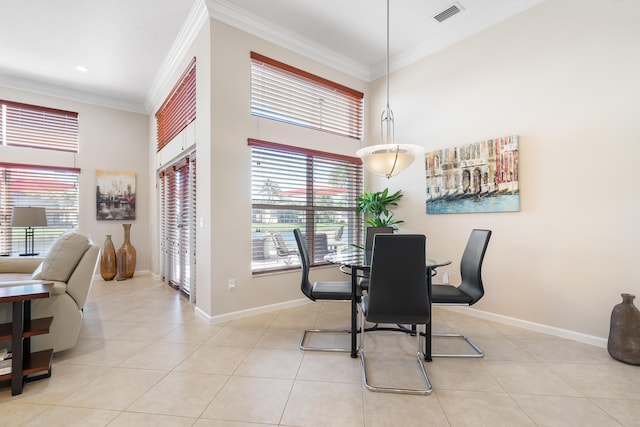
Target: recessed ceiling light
81 68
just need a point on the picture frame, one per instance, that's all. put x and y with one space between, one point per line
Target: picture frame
476 177
115 195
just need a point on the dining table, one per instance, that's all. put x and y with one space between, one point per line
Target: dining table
355 263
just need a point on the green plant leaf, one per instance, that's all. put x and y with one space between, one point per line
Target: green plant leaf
376 207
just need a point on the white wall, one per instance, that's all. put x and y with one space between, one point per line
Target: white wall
201 141
564 76
109 139
230 186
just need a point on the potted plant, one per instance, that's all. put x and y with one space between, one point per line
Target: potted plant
376 207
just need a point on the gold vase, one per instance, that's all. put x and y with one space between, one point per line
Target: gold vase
126 256
108 261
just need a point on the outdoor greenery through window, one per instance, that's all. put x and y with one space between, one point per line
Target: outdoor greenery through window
287 94
292 187
55 189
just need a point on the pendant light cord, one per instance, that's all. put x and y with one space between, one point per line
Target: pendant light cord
388 113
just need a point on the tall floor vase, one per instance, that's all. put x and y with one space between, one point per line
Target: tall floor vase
624 331
108 261
126 256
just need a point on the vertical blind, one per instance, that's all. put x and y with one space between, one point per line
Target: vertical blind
284 93
25 125
55 189
312 190
178 224
179 109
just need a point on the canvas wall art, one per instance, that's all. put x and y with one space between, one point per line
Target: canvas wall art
477 177
115 195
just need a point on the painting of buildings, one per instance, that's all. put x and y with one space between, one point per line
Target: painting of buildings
115 195
477 177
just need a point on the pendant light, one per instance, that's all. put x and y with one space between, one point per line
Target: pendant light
388 159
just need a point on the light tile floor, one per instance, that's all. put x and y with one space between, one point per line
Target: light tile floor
143 358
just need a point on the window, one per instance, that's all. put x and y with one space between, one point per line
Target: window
287 94
55 189
292 188
179 109
24 125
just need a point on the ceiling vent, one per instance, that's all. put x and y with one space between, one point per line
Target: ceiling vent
449 12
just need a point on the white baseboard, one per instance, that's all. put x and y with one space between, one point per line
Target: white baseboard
136 273
532 326
499 318
249 312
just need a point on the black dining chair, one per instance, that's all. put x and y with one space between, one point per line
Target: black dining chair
397 294
370 232
328 290
470 289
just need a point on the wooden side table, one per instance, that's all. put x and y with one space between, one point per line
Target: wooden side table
20 331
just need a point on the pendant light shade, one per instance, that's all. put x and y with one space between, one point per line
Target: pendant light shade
388 159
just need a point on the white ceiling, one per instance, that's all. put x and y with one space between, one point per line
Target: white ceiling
124 43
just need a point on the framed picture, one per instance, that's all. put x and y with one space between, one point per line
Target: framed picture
477 177
115 195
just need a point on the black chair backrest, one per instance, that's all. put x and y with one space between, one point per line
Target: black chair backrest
368 239
471 264
305 286
398 281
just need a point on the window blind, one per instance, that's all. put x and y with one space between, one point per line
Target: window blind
24 125
179 109
178 224
55 189
287 94
312 190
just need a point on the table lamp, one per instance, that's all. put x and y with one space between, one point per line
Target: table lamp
29 217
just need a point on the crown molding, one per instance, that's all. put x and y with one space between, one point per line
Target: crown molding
196 20
227 13
69 93
462 29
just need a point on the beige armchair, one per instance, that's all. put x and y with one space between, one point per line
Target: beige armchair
70 265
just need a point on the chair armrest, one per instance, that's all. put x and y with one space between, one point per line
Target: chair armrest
24 265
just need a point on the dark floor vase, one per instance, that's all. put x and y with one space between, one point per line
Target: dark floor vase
624 332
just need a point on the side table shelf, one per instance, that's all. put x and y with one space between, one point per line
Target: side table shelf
24 363
35 362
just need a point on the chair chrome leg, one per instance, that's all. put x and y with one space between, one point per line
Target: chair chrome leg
381 389
478 353
308 332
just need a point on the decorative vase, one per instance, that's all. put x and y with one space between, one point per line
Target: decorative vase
108 260
624 332
126 256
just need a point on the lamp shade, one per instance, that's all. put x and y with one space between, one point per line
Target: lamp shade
389 159
28 217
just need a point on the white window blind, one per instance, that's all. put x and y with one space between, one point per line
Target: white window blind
284 93
298 188
55 189
178 225
25 125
